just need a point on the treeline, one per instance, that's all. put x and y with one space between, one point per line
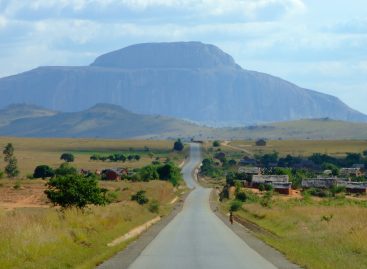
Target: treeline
118 157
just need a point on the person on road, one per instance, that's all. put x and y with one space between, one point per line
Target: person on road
231 217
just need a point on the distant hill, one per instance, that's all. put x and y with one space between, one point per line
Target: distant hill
186 80
21 111
102 120
112 121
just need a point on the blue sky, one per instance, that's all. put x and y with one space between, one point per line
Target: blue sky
317 44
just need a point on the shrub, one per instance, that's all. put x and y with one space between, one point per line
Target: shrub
170 172
261 187
66 169
148 172
75 190
43 171
216 143
268 187
232 162
140 198
67 157
241 196
235 205
267 199
178 145
1 174
154 206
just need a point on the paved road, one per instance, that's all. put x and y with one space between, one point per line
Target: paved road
196 238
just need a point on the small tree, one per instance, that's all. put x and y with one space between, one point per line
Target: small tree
75 191
67 157
178 145
11 169
140 198
216 143
235 205
65 169
43 171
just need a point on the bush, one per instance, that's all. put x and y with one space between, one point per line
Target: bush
267 199
1 174
170 172
43 171
66 169
268 187
241 196
178 145
261 187
154 207
216 143
148 172
75 190
235 206
140 198
67 157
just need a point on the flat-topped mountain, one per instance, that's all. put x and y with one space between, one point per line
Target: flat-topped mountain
187 80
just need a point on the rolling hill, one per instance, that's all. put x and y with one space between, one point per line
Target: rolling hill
186 80
112 121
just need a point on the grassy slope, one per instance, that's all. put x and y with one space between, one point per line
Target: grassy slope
300 232
35 151
47 238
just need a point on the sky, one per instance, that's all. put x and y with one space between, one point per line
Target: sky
316 44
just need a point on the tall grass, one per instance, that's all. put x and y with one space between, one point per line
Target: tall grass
316 235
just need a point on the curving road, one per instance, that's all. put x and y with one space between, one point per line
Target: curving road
196 238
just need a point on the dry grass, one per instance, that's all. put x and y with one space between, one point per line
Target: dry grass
47 238
31 152
317 235
305 147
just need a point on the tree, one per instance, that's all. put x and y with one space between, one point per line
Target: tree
216 143
149 172
178 145
140 198
11 169
66 169
170 172
67 157
75 191
365 153
43 171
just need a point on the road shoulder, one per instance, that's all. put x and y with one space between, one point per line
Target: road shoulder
266 251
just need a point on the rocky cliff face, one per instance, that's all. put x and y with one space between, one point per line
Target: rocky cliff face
188 80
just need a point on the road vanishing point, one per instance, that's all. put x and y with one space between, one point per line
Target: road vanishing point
196 238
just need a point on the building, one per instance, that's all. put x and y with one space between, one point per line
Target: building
250 170
322 182
282 187
113 173
268 179
356 187
351 172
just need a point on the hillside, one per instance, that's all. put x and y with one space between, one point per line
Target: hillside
100 121
186 80
112 121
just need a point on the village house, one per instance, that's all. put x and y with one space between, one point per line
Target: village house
282 187
323 182
113 173
250 170
351 172
268 179
356 187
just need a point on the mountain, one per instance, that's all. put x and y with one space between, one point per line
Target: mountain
112 121
21 111
101 120
187 80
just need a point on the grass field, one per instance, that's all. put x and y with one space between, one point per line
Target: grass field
31 152
316 234
303 147
47 238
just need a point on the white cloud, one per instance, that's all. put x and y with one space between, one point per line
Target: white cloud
3 22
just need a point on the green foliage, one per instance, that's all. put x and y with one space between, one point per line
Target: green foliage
334 190
43 171
154 206
66 169
1 174
149 172
365 153
178 145
268 187
140 198
266 200
17 185
75 191
241 196
232 162
209 169
11 169
329 166
235 206
261 187
67 157
267 159
170 172
238 186
216 143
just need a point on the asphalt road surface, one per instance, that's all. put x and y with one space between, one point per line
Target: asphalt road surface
196 238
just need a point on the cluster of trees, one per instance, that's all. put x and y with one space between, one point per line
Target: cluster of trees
117 157
168 172
178 145
45 171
